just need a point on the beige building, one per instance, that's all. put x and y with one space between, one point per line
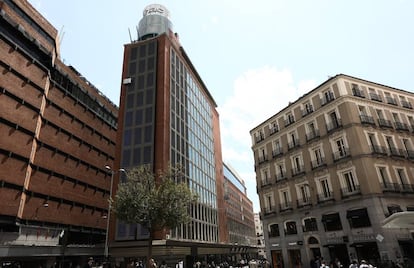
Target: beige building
330 167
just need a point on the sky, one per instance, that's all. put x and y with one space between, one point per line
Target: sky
254 56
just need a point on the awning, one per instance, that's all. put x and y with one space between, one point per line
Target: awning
403 219
330 217
356 213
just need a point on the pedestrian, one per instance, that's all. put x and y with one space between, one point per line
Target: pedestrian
354 264
152 263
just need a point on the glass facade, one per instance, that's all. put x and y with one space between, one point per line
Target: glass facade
192 146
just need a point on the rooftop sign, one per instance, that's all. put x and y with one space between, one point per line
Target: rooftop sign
156 9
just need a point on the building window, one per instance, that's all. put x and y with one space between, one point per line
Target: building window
405 103
297 165
332 222
280 171
268 203
349 183
364 116
340 149
307 108
373 95
265 177
358 218
390 99
334 122
327 97
291 228
285 201
312 131
310 225
303 195
356 91
394 209
274 230
277 148
317 157
401 175
324 190
408 148
262 155
273 128
293 140
290 119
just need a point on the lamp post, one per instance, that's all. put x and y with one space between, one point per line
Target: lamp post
106 252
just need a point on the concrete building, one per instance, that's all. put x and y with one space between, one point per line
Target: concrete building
258 224
330 167
58 133
239 211
168 116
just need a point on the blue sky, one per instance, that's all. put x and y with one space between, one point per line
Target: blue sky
254 56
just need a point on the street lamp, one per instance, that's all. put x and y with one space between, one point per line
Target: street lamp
106 252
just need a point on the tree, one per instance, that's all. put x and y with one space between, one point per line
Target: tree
157 201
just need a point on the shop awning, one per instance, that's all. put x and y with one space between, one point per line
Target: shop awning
330 217
403 219
356 213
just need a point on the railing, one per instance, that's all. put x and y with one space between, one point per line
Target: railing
296 171
384 123
347 192
366 119
308 109
375 96
396 152
303 202
312 135
357 92
269 210
289 121
406 104
266 182
341 154
397 187
280 177
259 138
285 206
325 197
318 163
293 144
262 159
409 154
327 98
333 125
273 130
401 126
277 152
391 100
376 149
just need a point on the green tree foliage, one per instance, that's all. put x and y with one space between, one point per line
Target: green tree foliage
157 201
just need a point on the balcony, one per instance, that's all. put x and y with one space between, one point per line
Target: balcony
308 110
262 159
266 182
375 96
348 192
273 130
390 187
289 121
277 152
280 177
407 188
366 119
401 126
296 171
269 210
285 206
341 154
311 135
318 163
357 92
325 197
396 152
333 125
293 144
406 104
303 202
259 138
327 98
391 100
409 154
384 123
376 149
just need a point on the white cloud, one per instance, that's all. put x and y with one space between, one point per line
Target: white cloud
257 95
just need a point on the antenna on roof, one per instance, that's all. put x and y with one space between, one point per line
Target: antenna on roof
130 38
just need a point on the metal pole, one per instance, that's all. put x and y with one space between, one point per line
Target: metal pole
106 253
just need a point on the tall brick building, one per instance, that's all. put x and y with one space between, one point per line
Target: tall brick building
168 116
57 134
